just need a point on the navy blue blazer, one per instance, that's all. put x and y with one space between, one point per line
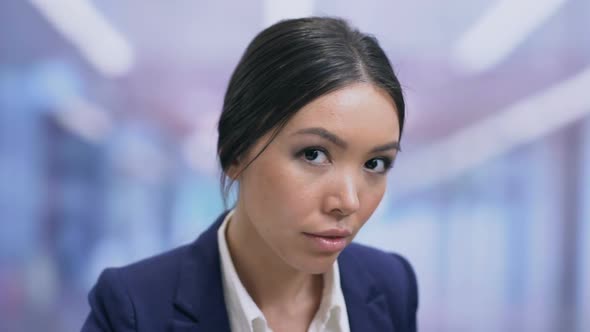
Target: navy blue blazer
181 290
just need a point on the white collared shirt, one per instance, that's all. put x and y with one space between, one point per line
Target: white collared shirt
244 314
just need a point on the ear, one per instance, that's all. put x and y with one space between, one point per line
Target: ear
233 171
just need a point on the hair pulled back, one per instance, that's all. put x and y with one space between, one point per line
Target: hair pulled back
285 67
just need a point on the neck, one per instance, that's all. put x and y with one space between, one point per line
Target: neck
271 282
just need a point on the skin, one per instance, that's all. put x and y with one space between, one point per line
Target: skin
285 193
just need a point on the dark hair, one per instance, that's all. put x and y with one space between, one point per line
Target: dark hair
287 66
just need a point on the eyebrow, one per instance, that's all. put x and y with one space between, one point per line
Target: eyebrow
323 133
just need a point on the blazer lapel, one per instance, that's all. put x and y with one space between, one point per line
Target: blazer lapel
366 306
199 303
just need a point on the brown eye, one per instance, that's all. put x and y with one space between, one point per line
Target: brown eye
371 164
311 154
378 165
314 156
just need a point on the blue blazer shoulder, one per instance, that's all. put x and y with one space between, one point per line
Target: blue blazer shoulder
181 290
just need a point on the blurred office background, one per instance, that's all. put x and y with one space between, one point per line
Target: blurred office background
107 148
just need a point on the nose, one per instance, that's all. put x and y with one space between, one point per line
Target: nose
343 198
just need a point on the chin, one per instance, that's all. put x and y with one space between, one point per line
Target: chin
317 265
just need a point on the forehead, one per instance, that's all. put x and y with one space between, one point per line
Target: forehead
356 111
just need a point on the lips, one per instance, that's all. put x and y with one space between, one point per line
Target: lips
334 233
331 241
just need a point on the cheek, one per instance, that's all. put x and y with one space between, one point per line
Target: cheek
280 188
370 199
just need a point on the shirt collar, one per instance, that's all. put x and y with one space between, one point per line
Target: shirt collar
241 307
332 310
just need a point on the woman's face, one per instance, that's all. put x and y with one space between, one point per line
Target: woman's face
313 188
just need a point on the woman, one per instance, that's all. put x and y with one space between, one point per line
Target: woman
311 124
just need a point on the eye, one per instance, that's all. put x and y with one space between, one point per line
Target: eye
314 156
378 165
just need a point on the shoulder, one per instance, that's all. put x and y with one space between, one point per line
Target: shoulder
391 274
158 270
382 264
144 295
123 295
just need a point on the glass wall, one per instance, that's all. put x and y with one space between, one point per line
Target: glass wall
104 161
